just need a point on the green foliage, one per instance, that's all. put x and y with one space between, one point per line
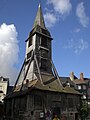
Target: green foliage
84 111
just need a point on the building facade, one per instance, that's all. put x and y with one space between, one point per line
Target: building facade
38 93
3 87
82 84
3 91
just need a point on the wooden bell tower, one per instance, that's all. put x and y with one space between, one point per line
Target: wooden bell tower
38 57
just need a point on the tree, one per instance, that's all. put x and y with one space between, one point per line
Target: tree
84 110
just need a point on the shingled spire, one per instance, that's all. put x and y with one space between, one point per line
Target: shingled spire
39 18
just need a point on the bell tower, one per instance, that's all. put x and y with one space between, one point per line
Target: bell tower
39 42
38 63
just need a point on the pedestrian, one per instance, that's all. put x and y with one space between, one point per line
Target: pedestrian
56 117
63 117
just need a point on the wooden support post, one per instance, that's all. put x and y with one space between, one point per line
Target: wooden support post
38 69
18 76
55 72
32 56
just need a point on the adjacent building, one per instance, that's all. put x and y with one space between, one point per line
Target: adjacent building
38 93
3 87
82 84
3 91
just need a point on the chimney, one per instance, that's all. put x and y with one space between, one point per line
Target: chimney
81 76
72 76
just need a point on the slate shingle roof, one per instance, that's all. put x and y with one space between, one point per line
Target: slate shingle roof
52 85
39 19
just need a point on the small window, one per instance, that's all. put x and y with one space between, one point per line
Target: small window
44 53
89 84
1 88
84 96
44 31
79 87
44 41
29 54
84 87
30 42
68 84
44 64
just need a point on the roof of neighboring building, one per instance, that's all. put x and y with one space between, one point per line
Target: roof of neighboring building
79 81
87 80
4 79
64 80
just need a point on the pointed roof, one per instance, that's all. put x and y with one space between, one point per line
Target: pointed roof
39 18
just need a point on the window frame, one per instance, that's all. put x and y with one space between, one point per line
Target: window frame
79 87
30 42
44 41
43 65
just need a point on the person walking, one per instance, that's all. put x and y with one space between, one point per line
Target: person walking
56 117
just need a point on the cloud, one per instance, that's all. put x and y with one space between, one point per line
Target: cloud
77 30
77 46
9 50
61 6
80 12
50 19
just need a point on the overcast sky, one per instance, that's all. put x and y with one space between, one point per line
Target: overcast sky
68 22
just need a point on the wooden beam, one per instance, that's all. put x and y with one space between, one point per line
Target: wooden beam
38 69
32 56
18 76
55 72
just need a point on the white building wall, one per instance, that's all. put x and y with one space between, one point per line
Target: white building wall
3 89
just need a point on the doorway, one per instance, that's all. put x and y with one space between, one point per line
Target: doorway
56 111
76 116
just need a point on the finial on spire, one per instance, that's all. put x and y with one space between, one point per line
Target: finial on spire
39 5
